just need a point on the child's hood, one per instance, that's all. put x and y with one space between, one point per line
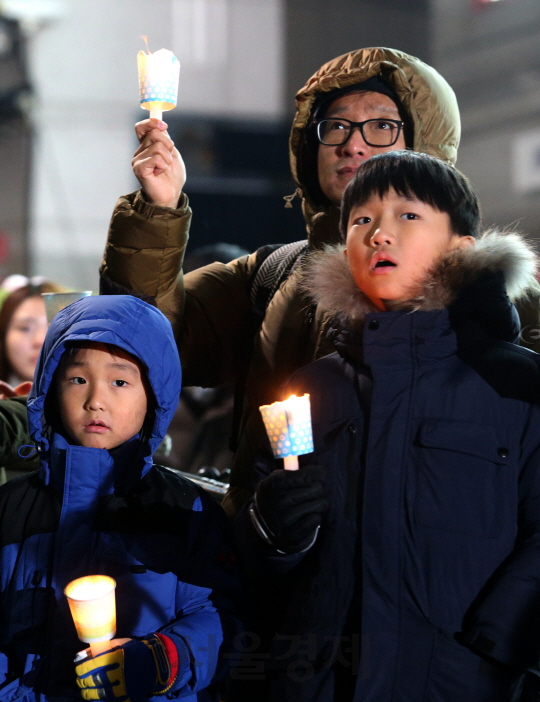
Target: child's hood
127 322
329 282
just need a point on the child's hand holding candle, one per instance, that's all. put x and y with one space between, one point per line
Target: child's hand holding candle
126 669
133 670
288 425
288 507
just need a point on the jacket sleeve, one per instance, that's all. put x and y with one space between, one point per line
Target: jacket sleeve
14 433
504 622
209 309
210 608
259 559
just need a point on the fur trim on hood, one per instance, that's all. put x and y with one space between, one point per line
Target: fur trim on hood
329 282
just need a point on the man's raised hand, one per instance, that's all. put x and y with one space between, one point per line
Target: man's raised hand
157 164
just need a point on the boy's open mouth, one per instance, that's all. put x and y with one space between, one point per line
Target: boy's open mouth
381 261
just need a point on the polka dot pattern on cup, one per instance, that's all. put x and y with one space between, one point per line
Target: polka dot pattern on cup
164 91
289 428
158 79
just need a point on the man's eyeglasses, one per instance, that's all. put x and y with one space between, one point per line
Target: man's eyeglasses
376 132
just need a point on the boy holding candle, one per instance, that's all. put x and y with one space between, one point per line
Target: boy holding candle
424 579
100 405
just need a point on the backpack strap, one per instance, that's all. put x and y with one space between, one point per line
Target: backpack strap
274 265
272 271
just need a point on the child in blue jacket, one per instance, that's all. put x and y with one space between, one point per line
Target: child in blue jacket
405 552
106 386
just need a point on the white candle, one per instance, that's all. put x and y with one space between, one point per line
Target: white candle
159 74
93 608
288 425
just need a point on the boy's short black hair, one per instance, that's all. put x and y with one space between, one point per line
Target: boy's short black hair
72 350
412 174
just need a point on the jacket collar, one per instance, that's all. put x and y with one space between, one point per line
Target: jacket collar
90 470
476 285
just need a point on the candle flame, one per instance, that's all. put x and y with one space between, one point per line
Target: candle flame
291 401
146 42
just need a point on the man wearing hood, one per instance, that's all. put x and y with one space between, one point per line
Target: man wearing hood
100 406
211 309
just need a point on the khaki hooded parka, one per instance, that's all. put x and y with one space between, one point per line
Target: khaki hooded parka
210 308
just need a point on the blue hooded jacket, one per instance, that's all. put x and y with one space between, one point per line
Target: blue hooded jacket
110 512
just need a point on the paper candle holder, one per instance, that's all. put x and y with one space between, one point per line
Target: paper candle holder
159 74
288 425
93 607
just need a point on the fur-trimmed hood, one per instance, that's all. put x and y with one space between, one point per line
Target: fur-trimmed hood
329 282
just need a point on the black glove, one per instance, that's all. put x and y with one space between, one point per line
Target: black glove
288 507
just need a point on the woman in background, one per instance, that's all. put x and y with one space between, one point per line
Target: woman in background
23 325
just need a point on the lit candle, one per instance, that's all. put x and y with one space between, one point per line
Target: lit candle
288 425
93 608
159 74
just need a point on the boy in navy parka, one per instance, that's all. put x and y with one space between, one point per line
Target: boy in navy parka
106 386
406 550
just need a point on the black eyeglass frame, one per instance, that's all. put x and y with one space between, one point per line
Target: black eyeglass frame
400 125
